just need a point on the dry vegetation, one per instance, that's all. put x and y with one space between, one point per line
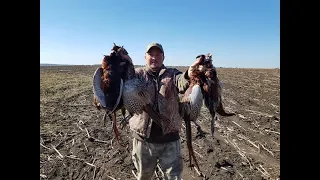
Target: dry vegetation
75 145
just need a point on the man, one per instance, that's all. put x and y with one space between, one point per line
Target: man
151 143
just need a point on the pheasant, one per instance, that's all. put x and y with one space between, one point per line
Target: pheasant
212 91
203 85
191 104
107 86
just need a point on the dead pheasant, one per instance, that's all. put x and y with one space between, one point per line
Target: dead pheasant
107 86
203 84
212 90
191 104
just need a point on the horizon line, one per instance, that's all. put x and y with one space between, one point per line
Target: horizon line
48 64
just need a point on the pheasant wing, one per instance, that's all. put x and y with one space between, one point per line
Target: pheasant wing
97 91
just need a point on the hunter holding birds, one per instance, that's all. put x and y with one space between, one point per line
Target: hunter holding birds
151 143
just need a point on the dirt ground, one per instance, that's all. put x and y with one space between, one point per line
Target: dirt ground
74 144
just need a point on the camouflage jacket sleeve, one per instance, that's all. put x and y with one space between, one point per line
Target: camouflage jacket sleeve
181 80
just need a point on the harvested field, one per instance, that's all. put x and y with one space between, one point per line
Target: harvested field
74 144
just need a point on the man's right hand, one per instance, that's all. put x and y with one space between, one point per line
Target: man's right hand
199 60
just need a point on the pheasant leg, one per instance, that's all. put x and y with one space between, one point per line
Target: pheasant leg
115 129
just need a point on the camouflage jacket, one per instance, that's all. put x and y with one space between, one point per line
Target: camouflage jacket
165 89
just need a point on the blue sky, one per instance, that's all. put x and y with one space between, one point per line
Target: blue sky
239 33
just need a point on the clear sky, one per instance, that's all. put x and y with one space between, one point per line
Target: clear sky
239 33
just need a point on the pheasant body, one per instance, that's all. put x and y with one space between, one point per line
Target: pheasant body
135 95
193 101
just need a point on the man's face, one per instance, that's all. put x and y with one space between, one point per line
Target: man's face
154 58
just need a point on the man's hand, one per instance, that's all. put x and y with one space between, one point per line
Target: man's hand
199 60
